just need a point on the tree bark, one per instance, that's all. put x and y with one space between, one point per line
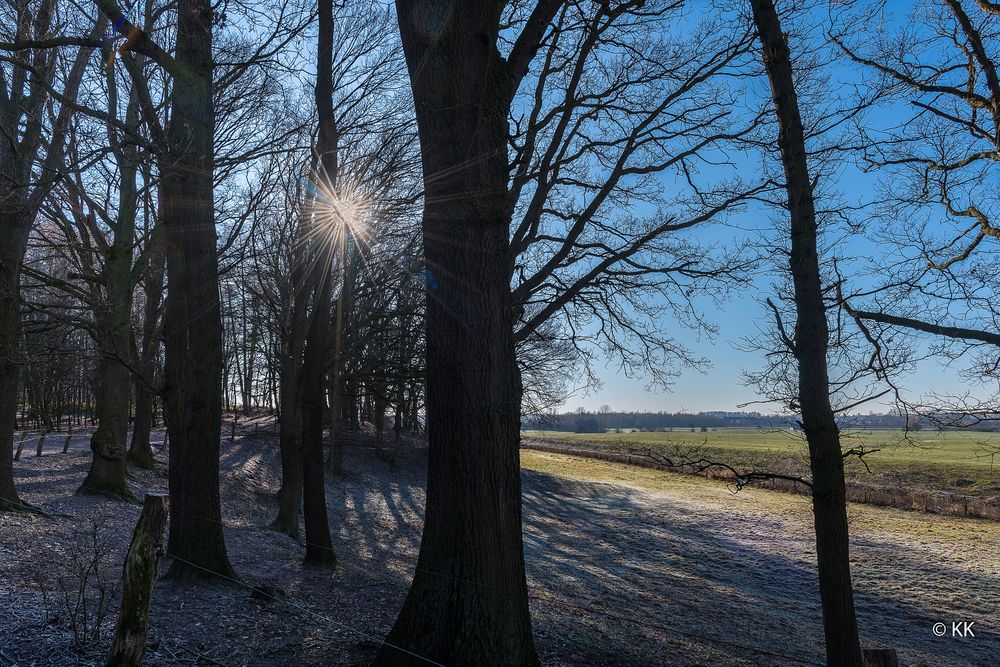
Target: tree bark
468 604
335 463
142 565
843 647
140 452
107 467
14 227
290 417
319 545
193 331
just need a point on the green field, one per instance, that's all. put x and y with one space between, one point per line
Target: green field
960 461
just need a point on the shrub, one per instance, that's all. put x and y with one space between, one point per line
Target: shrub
86 590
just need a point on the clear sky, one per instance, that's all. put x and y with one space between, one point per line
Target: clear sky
721 387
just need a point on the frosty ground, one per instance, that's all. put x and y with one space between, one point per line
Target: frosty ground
626 566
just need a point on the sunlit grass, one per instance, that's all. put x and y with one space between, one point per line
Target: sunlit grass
865 519
957 461
945 447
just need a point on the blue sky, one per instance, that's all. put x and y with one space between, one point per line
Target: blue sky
742 314
720 387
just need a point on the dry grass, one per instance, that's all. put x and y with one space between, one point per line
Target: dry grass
963 462
866 519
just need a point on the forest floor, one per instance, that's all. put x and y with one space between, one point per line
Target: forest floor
626 566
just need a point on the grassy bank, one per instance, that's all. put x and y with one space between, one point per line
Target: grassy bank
947 461
876 522
941 472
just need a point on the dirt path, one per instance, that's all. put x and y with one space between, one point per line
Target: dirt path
625 568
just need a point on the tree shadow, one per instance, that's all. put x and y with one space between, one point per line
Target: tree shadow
651 570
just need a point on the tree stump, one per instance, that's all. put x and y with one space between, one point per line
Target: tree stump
880 657
69 436
142 565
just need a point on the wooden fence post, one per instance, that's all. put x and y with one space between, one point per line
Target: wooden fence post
41 442
142 565
20 445
69 435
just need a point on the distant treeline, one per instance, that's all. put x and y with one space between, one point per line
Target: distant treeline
597 422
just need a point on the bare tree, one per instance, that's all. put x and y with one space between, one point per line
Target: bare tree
113 318
809 345
618 119
31 162
610 106
468 600
938 198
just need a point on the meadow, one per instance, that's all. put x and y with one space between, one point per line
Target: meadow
964 462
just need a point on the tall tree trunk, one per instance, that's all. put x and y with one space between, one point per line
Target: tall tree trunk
319 546
290 421
468 604
140 452
335 464
290 417
248 366
193 331
107 466
843 647
14 227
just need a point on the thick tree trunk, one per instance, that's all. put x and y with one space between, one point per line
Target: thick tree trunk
843 648
14 227
107 466
290 495
468 604
140 452
193 335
